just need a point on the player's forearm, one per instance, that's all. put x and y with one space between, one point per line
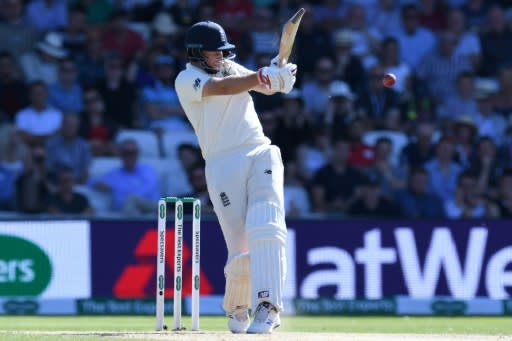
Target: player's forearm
263 89
230 85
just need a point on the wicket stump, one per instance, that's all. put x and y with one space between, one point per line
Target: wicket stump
178 260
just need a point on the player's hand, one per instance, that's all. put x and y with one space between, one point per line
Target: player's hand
279 79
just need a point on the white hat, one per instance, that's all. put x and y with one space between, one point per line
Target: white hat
485 87
52 45
343 37
340 89
163 23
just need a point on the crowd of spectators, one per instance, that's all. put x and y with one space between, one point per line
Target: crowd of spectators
75 74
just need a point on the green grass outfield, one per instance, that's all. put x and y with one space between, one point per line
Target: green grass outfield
85 328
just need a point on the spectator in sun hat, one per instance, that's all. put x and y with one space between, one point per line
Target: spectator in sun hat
43 62
164 24
348 66
165 33
489 122
340 110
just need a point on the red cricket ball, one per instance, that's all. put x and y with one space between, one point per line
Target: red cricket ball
389 80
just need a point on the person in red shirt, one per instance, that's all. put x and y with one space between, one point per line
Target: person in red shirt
96 126
121 39
232 14
362 155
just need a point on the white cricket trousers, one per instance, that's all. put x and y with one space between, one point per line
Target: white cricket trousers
238 180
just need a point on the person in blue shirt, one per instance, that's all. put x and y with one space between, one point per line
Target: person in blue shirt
134 185
66 94
443 170
416 201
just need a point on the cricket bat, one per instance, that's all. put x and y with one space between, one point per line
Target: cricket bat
288 36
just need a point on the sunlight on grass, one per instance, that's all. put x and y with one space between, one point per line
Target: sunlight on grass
423 325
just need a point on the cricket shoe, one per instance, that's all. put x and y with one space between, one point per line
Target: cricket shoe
239 320
265 320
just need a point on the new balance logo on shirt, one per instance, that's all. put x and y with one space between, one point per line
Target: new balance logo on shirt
197 82
263 294
225 200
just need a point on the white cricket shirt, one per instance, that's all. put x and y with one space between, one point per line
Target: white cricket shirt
222 123
38 123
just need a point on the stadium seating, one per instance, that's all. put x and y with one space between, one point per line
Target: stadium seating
101 202
147 141
172 177
172 141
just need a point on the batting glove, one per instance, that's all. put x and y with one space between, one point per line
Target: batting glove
275 61
279 79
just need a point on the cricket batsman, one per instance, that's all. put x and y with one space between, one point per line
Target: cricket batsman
244 172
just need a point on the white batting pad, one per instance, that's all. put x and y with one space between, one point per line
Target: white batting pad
238 283
266 233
